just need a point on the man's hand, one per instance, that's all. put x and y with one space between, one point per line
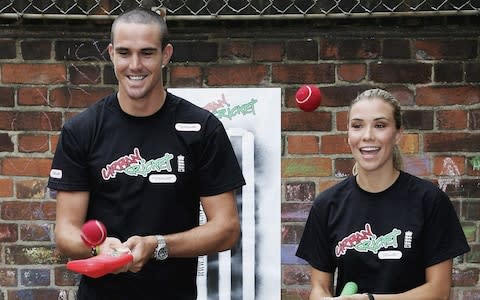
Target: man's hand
142 248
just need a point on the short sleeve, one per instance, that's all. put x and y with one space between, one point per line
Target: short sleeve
314 246
69 167
444 236
218 167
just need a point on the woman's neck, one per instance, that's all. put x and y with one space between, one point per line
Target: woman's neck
375 182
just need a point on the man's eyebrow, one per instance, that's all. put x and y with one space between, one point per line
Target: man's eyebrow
128 49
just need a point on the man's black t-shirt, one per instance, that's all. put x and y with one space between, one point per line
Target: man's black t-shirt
145 176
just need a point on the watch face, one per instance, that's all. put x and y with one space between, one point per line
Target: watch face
161 254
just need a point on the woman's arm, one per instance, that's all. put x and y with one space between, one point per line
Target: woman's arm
437 286
322 284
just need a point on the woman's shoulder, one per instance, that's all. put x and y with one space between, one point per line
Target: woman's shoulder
415 182
337 191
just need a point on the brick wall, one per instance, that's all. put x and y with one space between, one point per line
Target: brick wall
51 70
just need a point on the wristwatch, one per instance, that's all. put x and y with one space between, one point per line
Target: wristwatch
161 252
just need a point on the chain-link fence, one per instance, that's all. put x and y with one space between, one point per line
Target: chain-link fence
238 9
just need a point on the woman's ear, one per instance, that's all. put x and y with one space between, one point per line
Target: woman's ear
398 136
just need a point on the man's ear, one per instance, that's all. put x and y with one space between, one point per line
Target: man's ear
167 54
110 51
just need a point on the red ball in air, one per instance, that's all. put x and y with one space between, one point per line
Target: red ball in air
93 233
308 97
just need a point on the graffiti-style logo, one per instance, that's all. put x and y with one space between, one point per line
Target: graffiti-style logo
134 165
366 241
222 109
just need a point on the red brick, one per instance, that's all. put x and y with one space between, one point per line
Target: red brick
36 232
64 277
352 72
303 144
236 50
452 119
306 167
418 119
24 210
291 233
401 72
447 95
268 51
465 277
448 165
349 48
32 143
339 96
35 277
445 49
403 94
396 48
409 143
7 49
186 76
303 73
306 121
289 96
17 166
343 167
84 74
334 144
416 165
236 75
341 118
302 50
36 49
7 97
448 72
325 184
34 73
448 142
32 96
296 293
8 232
300 191
36 293
30 120
295 212
6 143
54 142
474 117
77 97
470 294
296 274
31 188
8 277
6 187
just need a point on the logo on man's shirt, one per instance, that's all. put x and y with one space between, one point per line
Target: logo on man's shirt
135 165
366 241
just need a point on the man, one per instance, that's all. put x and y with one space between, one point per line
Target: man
141 161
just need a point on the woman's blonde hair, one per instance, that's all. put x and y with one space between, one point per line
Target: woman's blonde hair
397 116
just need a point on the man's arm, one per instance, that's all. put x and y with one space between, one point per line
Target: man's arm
220 232
71 212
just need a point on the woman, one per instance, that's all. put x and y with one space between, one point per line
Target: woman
393 234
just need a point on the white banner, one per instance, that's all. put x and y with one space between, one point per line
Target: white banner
252 118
